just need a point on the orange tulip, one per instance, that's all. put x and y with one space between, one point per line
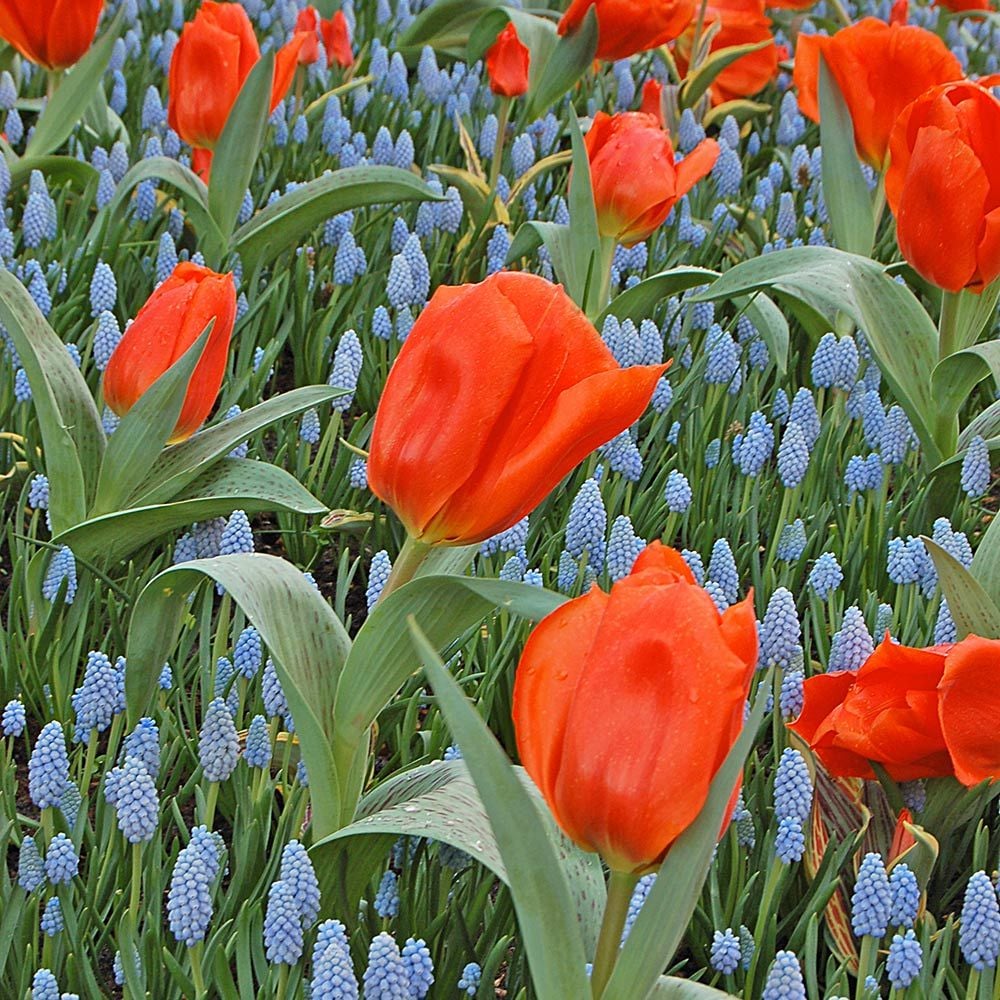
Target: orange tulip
307 24
635 179
172 319
943 186
625 27
337 40
920 713
652 100
879 69
52 33
500 390
507 63
626 705
962 6
742 22
900 12
215 54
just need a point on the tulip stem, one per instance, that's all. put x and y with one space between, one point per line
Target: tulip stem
503 118
946 420
620 886
411 555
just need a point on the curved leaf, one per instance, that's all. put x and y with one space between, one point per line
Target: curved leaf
955 376
972 609
305 638
672 988
281 225
538 885
72 437
695 86
58 168
445 26
572 55
231 484
829 281
439 800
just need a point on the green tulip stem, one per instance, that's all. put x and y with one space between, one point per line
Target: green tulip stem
503 118
949 339
620 886
411 555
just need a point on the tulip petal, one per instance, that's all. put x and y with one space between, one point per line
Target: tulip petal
988 251
285 64
72 26
696 165
969 707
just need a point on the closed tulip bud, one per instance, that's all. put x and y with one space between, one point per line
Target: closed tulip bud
499 391
211 61
172 319
507 64
741 22
943 186
52 33
336 34
625 27
879 69
635 179
627 703
307 24
652 100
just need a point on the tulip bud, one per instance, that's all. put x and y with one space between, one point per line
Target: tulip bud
307 24
172 319
337 40
507 64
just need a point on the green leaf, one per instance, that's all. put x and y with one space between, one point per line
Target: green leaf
664 917
672 988
144 430
70 101
283 224
696 85
306 640
445 26
178 465
60 169
557 239
975 312
955 376
538 885
72 437
230 484
166 171
972 609
585 238
382 657
828 281
239 145
639 301
986 562
847 197
439 800
571 57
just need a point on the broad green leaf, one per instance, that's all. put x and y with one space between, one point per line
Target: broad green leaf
664 917
70 101
144 430
538 886
986 561
306 640
589 283
696 85
178 465
282 225
847 197
230 484
557 239
639 301
164 171
60 169
742 110
382 657
72 437
955 376
239 145
985 425
571 57
439 800
975 312
445 26
972 609
829 281
672 988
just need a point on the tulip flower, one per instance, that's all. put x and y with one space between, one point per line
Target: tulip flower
634 177
965 6
211 61
307 24
50 33
625 27
919 713
172 319
741 22
943 186
652 100
500 389
337 40
626 705
879 68
507 63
